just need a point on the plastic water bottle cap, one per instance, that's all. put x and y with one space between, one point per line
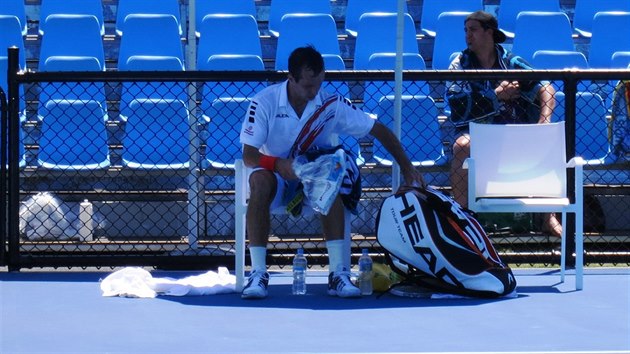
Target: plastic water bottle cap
300 251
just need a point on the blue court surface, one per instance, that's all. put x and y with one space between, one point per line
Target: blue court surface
65 312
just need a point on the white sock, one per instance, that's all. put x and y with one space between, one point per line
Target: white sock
335 255
258 256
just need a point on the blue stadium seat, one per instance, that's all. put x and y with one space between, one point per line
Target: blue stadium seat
279 8
356 8
585 10
558 59
153 7
374 91
449 38
213 7
227 34
300 29
73 136
11 36
334 62
377 34
509 10
432 9
532 33
228 42
70 7
228 89
620 60
223 146
16 8
157 135
609 35
71 90
147 35
420 130
72 35
157 90
591 128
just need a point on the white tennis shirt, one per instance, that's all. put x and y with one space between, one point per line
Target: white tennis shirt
271 124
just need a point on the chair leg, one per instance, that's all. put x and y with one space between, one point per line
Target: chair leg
579 251
563 247
240 209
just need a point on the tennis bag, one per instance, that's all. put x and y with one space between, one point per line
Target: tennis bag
438 245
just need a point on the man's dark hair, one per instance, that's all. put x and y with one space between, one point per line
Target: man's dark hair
307 57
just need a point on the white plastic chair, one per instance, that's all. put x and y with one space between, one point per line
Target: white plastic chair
241 197
505 177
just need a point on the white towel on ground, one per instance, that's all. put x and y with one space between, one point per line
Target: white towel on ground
137 282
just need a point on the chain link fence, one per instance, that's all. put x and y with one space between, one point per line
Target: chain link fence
136 168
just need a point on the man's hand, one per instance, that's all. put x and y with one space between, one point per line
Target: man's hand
508 91
285 168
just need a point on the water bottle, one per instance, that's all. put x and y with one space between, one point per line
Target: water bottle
86 228
299 273
365 273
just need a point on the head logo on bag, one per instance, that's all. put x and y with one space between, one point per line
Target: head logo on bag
439 245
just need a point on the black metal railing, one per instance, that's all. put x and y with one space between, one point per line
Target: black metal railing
150 152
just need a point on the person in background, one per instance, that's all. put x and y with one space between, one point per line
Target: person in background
290 119
492 102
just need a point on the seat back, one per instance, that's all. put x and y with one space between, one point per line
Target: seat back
69 7
620 60
4 65
449 38
509 10
157 135
223 145
227 34
420 130
335 62
356 8
157 90
585 10
505 169
375 90
558 59
145 35
279 8
377 34
532 29
11 36
73 136
302 29
432 9
213 7
16 8
84 91
591 128
609 35
161 7
72 35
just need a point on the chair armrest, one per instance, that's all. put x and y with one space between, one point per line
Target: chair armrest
576 161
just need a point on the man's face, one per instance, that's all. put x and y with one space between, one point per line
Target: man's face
308 85
476 36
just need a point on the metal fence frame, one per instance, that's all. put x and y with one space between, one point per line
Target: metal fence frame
11 256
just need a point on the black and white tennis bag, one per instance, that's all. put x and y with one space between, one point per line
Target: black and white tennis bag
436 244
